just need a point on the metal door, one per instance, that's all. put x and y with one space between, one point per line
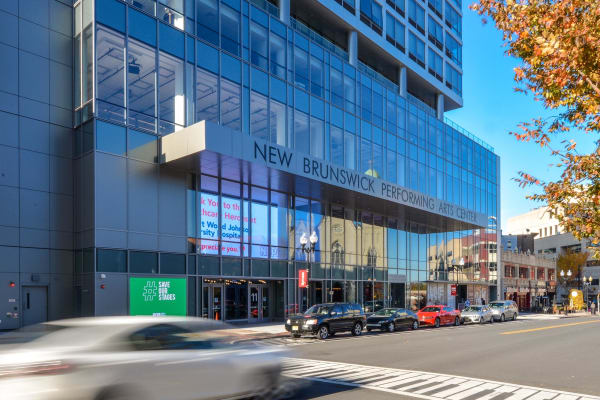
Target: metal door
212 299
35 304
258 303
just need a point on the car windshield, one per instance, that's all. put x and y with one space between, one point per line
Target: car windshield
431 309
318 310
496 305
386 312
474 308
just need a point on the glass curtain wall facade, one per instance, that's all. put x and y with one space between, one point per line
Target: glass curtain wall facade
146 69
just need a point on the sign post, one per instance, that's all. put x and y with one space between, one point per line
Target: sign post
452 290
157 296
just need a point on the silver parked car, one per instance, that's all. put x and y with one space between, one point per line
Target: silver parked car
477 315
504 310
112 358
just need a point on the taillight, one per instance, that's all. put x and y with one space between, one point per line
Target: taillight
39 368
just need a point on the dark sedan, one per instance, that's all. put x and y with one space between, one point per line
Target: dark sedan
390 319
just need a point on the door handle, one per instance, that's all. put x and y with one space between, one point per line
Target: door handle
28 303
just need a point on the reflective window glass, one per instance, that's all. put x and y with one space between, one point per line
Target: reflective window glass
111 260
277 122
316 137
231 112
337 146
143 262
207 17
301 132
111 13
142 27
172 263
258 116
277 52
110 138
172 40
230 30
142 146
110 72
259 42
171 95
207 104
141 78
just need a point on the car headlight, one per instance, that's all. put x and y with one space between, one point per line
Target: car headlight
310 322
289 322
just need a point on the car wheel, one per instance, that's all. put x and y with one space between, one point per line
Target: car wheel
116 393
514 316
391 327
357 329
437 323
502 318
491 320
415 325
456 321
295 335
323 332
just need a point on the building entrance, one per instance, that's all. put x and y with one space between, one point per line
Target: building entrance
258 303
212 302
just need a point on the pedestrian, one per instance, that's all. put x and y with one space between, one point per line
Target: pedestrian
593 308
482 301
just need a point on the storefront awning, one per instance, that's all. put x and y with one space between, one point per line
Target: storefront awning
216 150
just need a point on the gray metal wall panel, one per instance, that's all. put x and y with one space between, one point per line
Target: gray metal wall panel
9 29
34 170
8 102
34 135
61 47
35 209
9 166
176 244
142 186
61 141
112 300
61 262
34 109
60 116
61 212
35 11
34 38
61 240
61 17
9 69
35 237
142 241
9 236
35 260
9 134
9 206
111 238
111 191
9 259
61 175
34 77
61 78
10 299
172 202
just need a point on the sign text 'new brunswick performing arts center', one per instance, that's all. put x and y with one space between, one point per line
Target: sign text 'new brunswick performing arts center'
301 164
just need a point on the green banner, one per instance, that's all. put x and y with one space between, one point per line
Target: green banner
157 296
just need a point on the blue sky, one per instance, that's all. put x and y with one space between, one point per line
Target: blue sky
492 109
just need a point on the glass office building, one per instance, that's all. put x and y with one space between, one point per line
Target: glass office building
210 135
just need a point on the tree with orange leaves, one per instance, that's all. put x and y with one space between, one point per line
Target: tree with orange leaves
558 42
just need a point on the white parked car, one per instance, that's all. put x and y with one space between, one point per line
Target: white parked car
477 315
110 358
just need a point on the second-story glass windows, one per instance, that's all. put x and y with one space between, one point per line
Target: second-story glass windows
230 29
348 5
436 66
301 68
453 49
436 7
416 16
453 19
207 96
436 33
277 45
398 5
395 32
207 19
371 14
171 100
259 43
453 79
110 76
171 12
141 85
416 49
316 71
337 86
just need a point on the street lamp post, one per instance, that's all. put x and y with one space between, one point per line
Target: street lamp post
586 282
562 275
455 269
308 245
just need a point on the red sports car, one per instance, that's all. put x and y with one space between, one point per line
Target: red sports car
438 315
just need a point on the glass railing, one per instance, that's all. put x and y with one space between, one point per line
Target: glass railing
421 105
468 134
267 6
319 39
362 67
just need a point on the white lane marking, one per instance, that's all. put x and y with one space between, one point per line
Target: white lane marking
431 386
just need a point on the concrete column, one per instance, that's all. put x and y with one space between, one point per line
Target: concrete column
402 81
284 11
440 106
353 48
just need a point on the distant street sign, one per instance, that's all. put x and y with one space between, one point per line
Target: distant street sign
303 278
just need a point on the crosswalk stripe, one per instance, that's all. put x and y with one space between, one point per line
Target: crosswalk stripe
418 384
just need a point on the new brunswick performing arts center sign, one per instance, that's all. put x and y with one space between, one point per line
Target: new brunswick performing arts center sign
206 136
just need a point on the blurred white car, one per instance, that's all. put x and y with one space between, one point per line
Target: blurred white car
112 358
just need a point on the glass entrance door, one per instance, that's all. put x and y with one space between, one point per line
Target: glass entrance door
258 303
212 302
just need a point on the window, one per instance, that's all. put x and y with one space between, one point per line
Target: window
110 138
143 262
541 274
453 19
207 16
110 47
172 263
436 33
231 112
207 104
397 5
453 79
453 49
436 7
141 80
259 41
277 52
171 95
436 65
371 15
258 116
230 30
416 16
277 122
337 87
337 146
348 5
301 67
416 49
111 260
395 32
142 146
171 12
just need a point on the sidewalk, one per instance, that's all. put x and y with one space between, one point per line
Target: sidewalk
259 330
539 316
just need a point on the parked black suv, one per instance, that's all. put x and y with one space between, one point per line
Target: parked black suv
324 320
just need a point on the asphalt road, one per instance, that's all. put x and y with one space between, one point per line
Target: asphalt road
561 355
